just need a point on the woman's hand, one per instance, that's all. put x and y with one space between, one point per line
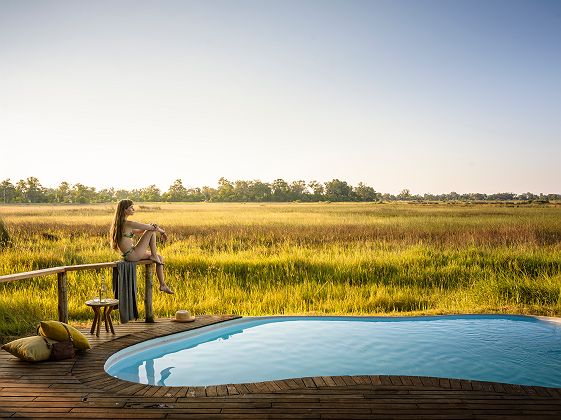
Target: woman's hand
161 231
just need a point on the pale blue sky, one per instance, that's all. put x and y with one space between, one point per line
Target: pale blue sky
434 96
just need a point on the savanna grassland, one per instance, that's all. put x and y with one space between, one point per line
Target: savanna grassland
299 258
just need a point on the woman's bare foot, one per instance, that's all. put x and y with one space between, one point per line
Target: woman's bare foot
156 259
165 288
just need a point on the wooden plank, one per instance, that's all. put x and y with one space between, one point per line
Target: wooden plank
466 385
318 381
232 390
406 380
190 392
262 387
180 391
94 266
348 380
199 391
222 390
252 388
97 266
32 274
63 269
444 383
164 392
395 380
328 380
309 382
416 381
363 380
273 387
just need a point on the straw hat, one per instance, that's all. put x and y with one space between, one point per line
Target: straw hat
183 316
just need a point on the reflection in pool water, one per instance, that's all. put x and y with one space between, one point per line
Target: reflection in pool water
511 349
143 371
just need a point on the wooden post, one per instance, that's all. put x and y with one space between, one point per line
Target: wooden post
62 298
148 294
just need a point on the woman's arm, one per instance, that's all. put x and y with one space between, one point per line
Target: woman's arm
134 226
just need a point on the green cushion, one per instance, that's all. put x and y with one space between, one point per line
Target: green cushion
56 331
32 349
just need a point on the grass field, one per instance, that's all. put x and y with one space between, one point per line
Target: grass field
320 258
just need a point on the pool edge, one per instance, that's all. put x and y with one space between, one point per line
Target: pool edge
89 369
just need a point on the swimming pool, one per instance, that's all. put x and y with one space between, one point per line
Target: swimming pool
510 349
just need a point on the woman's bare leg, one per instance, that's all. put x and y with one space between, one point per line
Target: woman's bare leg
142 246
148 241
160 274
154 252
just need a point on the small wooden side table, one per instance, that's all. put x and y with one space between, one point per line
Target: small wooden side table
108 305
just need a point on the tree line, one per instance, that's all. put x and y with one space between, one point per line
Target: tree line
30 190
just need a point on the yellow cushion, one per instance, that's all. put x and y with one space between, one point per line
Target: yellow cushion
32 349
56 331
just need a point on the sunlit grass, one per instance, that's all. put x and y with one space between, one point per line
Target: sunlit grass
313 258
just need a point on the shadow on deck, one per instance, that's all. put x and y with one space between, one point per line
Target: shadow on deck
81 388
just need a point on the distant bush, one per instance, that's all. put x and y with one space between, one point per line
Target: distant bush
4 235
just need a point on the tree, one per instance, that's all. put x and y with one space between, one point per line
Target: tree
477 196
365 193
280 190
63 193
20 192
225 190
453 196
261 191
150 193
194 194
502 196
7 191
122 194
336 190
176 192
317 190
105 195
299 190
35 190
405 194
82 193
29 191
242 191
208 193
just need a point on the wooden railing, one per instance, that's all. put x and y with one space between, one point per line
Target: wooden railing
63 288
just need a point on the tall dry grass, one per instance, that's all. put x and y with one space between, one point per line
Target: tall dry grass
257 259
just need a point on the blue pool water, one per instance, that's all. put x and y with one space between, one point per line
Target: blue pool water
509 349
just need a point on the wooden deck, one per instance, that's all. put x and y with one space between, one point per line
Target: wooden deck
81 388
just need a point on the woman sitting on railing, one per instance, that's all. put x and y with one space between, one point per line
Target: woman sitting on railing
122 232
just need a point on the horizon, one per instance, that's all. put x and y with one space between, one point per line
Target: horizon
428 96
289 181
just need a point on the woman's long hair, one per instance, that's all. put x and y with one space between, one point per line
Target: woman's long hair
116 232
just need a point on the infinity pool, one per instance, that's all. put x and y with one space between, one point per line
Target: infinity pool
509 349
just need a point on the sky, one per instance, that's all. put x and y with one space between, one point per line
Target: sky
429 95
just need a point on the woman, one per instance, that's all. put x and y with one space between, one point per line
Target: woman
122 232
